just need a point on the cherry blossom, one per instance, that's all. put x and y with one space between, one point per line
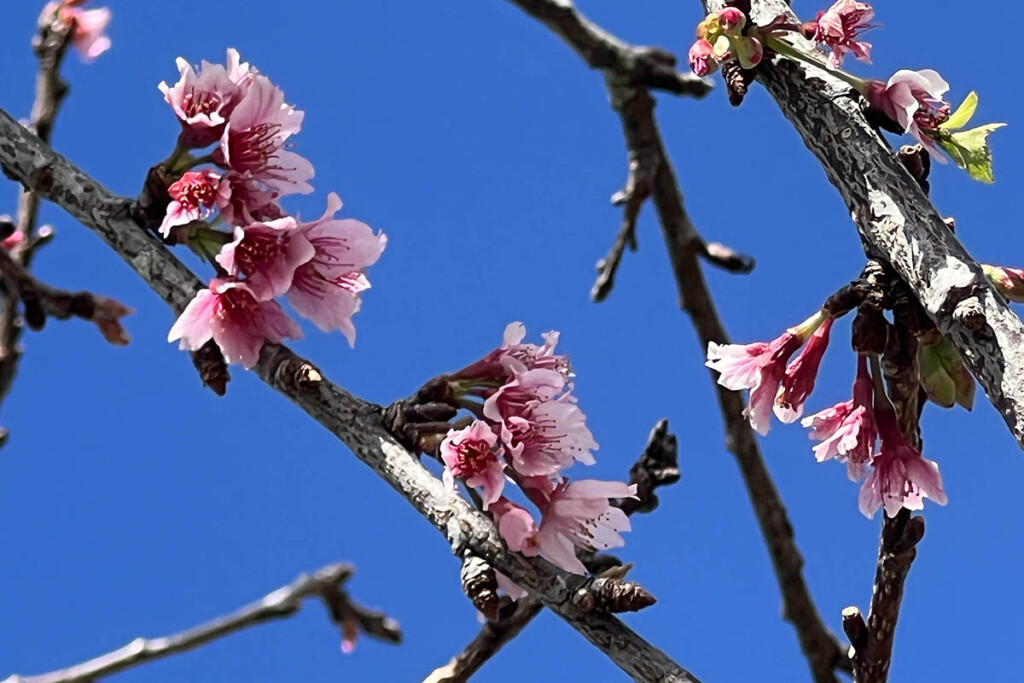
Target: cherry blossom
229 313
192 197
204 101
267 254
470 454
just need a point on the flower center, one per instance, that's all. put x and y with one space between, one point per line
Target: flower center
474 458
259 248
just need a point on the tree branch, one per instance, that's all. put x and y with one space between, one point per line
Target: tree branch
657 466
325 584
899 224
355 422
686 247
50 46
649 67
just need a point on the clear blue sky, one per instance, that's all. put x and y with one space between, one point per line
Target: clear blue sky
135 502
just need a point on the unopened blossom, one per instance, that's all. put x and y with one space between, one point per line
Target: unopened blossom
838 29
721 38
1008 281
913 99
579 515
472 454
255 137
229 313
87 27
326 288
107 317
900 477
798 383
759 367
847 430
702 59
192 197
540 425
204 101
500 365
13 240
267 254
516 526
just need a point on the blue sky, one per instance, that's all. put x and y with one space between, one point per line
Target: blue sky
136 503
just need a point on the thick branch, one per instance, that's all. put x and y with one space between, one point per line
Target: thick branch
354 421
657 466
899 224
325 584
640 66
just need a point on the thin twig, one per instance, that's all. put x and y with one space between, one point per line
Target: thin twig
41 301
491 638
649 67
686 248
355 422
325 584
50 46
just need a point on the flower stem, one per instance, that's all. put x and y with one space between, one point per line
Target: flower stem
786 50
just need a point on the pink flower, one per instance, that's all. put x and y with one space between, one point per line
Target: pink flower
1008 281
230 314
838 28
501 364
326 288
798 383
913 99
759 367
87 27
702 58
579 515
901 476
243 199
267 254
192 197
847 430
516 527
204 102
542 427
470 454
254 140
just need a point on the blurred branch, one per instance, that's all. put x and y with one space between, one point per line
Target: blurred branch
41 301
357 423
50 45
686 248
657 466
326 584
648 67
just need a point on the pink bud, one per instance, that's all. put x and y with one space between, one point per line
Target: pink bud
730 17
702 58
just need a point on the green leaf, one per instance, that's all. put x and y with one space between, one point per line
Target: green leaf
970 150
963 113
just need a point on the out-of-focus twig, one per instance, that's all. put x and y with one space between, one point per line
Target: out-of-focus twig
50 45
326 584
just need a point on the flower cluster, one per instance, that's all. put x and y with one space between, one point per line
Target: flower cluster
895 474
320 266
721 38
528 429
911 101
86 26
762 368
